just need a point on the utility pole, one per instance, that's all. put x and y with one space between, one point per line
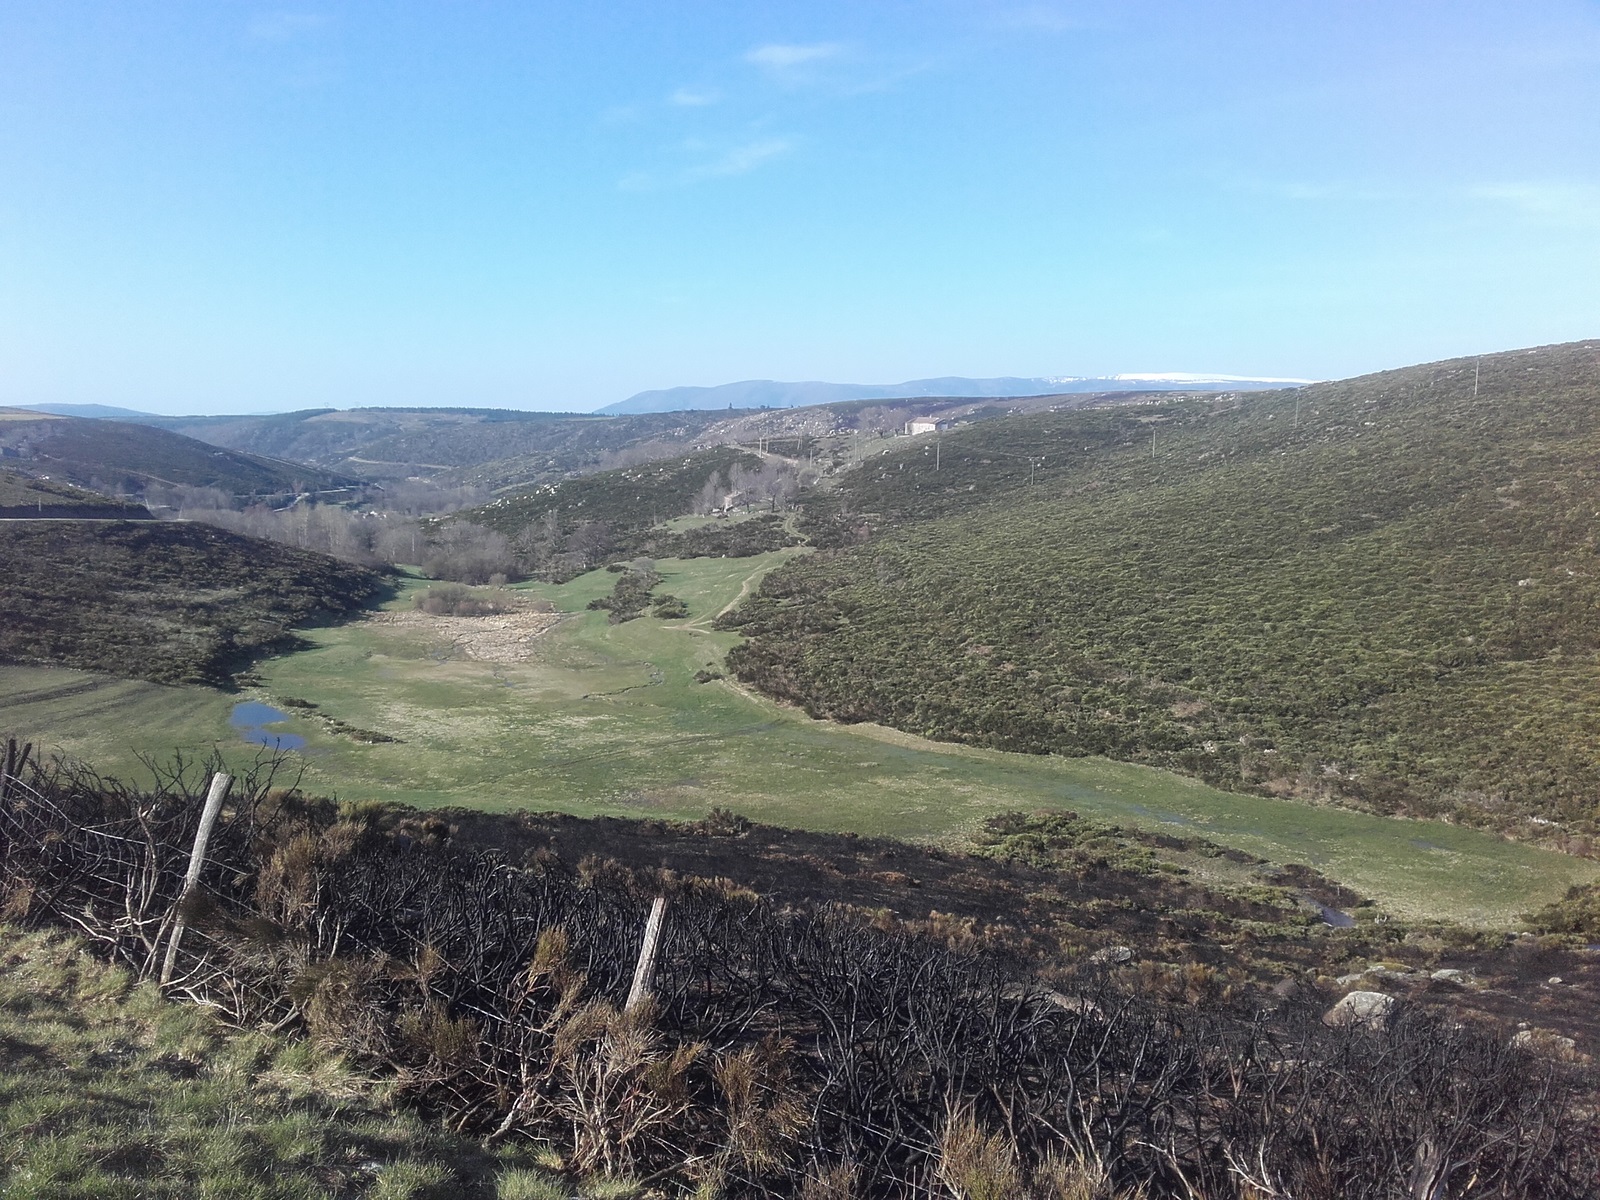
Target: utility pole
936 454
1297 412
1152 445
1477 367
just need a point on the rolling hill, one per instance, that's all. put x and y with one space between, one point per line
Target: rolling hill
501 449
455 445
1382 590
161 600
125 458
22 496
563 529
770 393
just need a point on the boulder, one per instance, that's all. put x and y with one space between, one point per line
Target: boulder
1546 1043
1112 955
1450 975
1370 1010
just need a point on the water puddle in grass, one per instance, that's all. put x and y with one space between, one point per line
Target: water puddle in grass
251 718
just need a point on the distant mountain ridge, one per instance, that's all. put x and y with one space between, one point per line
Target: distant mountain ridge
769 393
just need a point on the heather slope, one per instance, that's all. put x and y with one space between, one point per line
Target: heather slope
163 601
1382 589
123 457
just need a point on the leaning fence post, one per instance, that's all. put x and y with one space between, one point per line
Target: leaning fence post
647 955
197 859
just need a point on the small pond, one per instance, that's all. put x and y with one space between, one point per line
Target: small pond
251 719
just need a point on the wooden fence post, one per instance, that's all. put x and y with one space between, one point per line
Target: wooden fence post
14 764
647 955
197 859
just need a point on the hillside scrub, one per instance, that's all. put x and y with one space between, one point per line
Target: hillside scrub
559 530
162 601
23 496
723 539
781 1047
457 600
630 595
1382 591
121 458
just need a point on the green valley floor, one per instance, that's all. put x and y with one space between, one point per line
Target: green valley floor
601 718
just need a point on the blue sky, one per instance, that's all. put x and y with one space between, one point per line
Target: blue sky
220 207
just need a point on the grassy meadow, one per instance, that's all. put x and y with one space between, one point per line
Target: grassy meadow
107 1092
606 718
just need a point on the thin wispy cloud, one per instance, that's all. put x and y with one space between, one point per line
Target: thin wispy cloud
1570 204
1046 18
1312 192
285 26
694 97
741 160
736 160
835 67
786 56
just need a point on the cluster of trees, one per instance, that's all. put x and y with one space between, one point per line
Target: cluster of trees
555 533
771 483
457 600
391 526
776 1051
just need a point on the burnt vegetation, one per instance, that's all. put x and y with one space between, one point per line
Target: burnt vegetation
784 1049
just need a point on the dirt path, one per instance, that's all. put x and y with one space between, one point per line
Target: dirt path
744 590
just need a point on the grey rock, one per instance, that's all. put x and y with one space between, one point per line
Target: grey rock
1369 1009
1546 1043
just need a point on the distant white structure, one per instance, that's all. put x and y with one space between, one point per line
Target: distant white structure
925 425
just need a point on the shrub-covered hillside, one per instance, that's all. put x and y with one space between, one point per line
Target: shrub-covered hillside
117 456
562 529
1383 589
22 496
166 601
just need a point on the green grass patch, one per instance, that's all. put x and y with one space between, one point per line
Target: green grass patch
109 1091
605 718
